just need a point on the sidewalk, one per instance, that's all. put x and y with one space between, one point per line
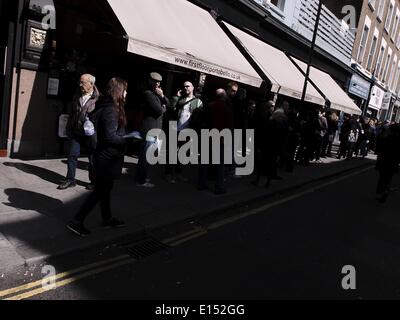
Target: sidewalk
33 213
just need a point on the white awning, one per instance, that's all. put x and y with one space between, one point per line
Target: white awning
181 33
285 77
333 92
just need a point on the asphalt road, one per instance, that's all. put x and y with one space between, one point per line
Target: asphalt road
294 249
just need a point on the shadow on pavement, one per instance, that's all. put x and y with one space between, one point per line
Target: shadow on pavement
42 173
32 201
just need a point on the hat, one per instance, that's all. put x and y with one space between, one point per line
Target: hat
156 76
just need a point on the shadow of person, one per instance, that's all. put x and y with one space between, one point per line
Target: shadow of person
31 201
42 173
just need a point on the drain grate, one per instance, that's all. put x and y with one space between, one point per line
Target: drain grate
145 248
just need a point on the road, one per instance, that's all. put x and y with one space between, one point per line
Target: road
289 248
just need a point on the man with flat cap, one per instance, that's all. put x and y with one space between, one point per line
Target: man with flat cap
154 106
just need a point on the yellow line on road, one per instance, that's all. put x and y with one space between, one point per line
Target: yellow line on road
60 276
68 281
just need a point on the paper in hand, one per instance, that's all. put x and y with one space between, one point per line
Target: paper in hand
133 135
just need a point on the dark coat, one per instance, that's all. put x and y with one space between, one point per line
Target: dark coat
153 110
110 151
78 113
388 150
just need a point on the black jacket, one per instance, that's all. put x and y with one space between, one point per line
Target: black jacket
388 150
78 113
110 151
153 109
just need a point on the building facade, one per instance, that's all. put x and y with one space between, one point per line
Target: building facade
376 54
334 35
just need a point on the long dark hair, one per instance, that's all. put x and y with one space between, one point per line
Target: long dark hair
115 91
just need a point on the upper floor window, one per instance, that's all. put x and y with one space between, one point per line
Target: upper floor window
389 17
372 4
380 60
280 4
363 44
381 9
372 51
395 26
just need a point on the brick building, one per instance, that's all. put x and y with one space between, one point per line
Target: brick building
376 54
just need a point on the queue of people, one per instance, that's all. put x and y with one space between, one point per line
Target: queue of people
285 135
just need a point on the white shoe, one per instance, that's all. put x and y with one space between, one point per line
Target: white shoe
145 185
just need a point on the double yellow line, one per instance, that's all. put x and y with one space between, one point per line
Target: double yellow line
35 288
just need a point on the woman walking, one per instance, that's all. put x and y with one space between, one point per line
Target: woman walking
108 157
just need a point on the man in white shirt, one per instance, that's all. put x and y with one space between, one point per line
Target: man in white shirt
83 104
183 104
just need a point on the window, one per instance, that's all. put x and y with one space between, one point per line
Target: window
389 17
387 66
363 43
397 78
381 9
380 60
372 4
392 73
280 4
395 26
372 51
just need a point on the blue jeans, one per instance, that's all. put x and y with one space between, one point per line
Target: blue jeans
143 165
74 153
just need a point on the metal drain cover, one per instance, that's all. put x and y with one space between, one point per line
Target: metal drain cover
145 248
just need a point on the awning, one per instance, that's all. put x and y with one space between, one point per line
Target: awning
333 92
181 33
285 77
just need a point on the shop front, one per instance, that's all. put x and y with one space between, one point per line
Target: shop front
375 102
106 39
337 98
387 106
359 89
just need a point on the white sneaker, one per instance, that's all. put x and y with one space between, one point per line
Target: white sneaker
145 185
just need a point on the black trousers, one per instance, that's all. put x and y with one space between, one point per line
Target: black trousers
102 195
384 182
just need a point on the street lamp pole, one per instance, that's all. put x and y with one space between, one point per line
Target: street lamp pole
312 49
